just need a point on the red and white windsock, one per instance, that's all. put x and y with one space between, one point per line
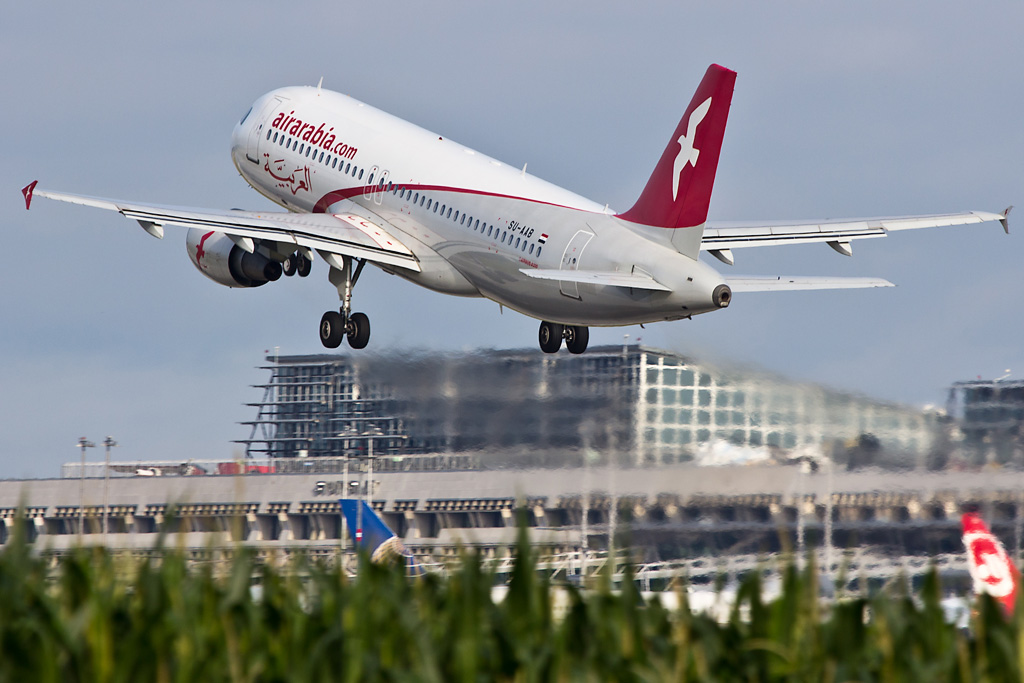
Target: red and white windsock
991 568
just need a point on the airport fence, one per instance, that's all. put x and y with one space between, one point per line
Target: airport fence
95 617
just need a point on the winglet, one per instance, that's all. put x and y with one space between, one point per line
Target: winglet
30 188
1002 221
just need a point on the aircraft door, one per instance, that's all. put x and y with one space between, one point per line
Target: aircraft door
382 186
258 130
571 261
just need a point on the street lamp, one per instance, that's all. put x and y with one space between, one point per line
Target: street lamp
109 443
83 443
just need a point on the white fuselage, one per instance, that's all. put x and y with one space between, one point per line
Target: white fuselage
472 222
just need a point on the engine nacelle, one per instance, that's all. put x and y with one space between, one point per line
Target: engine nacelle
224 262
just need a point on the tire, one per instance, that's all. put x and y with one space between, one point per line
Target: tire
303 265
578 338
332 329
550 337
358 331
289 265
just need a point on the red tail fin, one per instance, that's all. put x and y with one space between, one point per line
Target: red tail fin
679 191
990 566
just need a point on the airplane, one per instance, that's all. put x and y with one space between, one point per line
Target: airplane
991 568
361 186
372 535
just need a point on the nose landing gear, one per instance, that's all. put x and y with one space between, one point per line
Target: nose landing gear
551 335
343 324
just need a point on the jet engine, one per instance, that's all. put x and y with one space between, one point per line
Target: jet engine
220 259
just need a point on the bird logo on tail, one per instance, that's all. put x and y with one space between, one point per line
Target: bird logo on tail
687 152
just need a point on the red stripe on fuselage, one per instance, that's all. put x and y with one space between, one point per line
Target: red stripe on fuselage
330 198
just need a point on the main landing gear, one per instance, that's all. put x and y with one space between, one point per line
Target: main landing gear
297 263
551 335
342 324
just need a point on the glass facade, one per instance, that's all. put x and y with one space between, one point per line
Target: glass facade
645 404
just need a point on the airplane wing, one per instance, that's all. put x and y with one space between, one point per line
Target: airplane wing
595 277
720 238
331 235
758 283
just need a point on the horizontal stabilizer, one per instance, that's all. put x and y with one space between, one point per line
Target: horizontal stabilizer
596 277
760 283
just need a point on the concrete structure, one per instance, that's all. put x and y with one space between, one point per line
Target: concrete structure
706 516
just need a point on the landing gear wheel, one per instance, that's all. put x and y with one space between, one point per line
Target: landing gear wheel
358 330
303 265
550 337
576 338
332 329
290 265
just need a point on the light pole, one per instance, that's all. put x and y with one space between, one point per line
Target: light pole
109 443
83 443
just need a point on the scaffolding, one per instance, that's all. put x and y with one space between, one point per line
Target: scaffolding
321 407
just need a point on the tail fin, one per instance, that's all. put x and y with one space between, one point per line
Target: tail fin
991 568
372 534
679 191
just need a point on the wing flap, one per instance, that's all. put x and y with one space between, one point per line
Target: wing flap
346 234
724 236
595 277
759 283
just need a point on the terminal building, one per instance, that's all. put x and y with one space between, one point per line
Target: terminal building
989 415
608 449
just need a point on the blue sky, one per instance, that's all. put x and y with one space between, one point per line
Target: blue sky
840 110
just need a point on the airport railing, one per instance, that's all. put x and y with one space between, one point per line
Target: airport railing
264 466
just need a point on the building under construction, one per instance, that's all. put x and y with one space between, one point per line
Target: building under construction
525 408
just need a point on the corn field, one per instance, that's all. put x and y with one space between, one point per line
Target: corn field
94 617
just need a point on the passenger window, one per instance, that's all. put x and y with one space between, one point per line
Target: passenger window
321 157
421 199
463 221
490 228
477 226
369 181
275 137
435 208
538 251
310 149
456 219
531 250
415 197
517 243
302 148
268 133
348 168
334 164
443 207
390 187
360 174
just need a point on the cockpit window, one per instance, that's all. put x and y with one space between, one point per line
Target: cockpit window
246 116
